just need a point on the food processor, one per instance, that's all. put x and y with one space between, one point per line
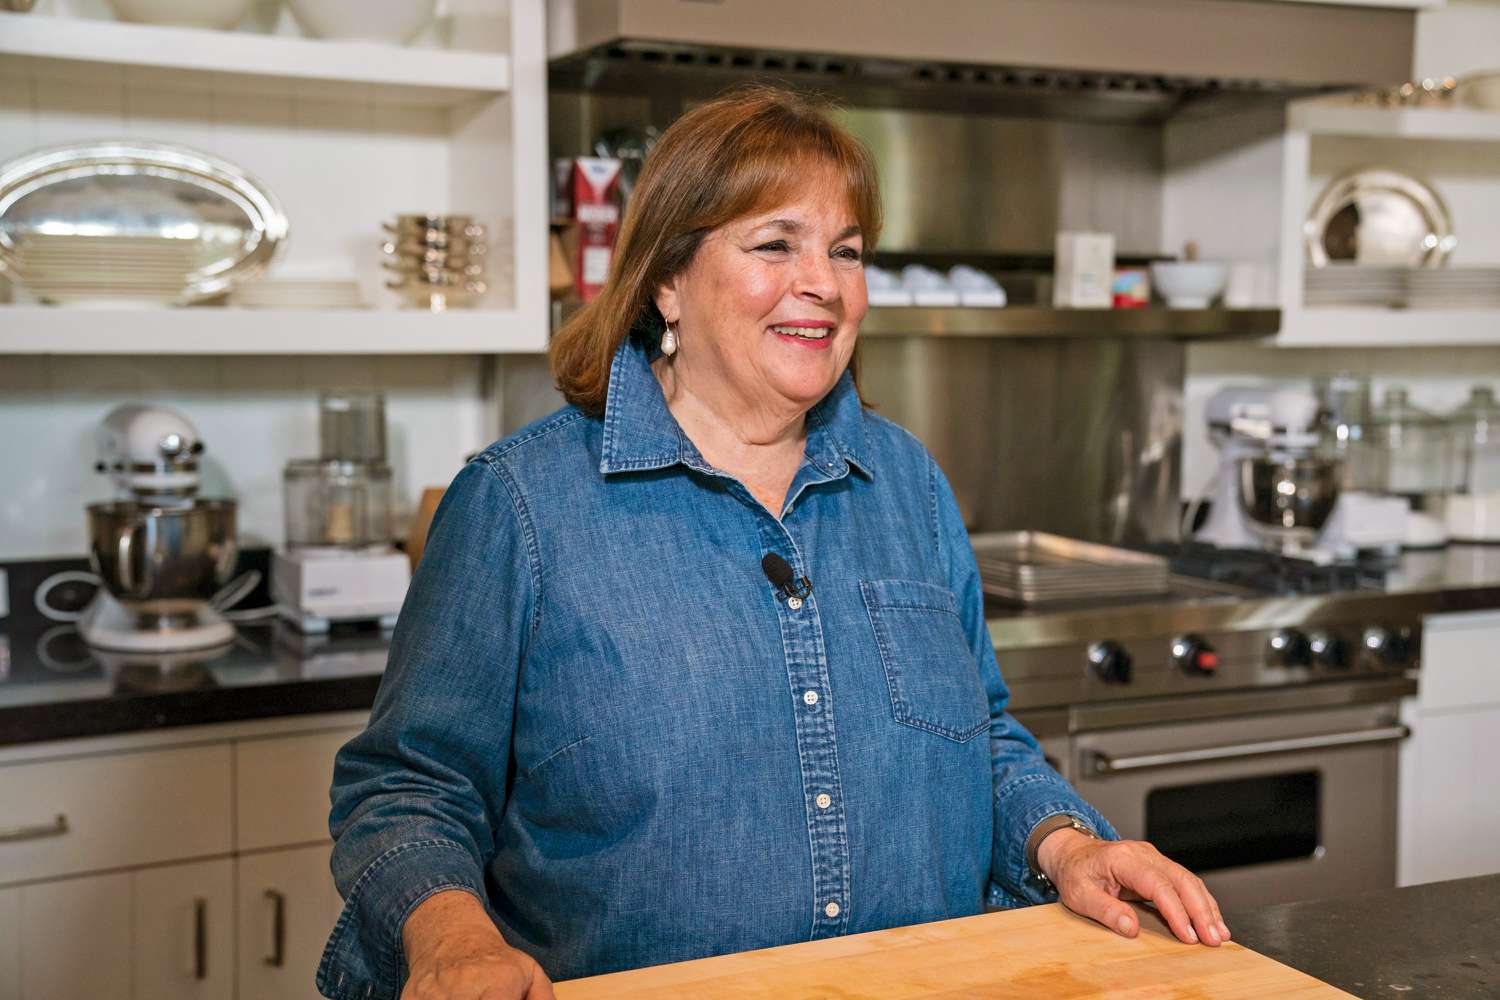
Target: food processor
1473 509
158 549
339 564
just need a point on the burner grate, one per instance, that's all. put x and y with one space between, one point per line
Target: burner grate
1269 572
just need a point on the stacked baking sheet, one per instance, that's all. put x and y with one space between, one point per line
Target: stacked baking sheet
1032 567
1412 288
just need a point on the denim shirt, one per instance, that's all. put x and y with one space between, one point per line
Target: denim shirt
601 719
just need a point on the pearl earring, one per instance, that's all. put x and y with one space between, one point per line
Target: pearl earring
669 341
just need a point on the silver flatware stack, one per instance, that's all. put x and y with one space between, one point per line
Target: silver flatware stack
437 260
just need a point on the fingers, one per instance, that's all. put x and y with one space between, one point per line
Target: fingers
541 987
1089 900
1200 907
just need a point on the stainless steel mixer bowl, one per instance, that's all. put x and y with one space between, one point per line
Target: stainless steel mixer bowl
159 558
1289 498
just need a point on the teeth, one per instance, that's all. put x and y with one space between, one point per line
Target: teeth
805 332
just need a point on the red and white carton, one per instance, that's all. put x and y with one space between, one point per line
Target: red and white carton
596 209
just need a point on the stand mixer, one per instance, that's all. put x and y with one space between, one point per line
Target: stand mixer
1276 487
159 550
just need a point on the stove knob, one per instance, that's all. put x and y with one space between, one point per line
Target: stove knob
1193 655
1109 662
1328 651
1388 648
1290 648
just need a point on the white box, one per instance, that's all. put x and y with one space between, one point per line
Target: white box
1084 274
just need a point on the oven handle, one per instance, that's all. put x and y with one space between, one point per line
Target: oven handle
1100 764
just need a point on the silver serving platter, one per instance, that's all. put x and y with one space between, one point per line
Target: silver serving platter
1379 217
121 221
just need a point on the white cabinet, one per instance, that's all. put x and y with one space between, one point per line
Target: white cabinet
1448 800
136 867
10 944
75 937
287 906
183 920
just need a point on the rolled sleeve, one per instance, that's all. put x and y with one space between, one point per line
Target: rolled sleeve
363 958
417 795
1026 788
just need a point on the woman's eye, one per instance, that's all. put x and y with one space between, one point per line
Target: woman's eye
776 246
847 253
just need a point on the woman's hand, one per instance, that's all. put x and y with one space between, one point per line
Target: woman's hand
454 952
1093 876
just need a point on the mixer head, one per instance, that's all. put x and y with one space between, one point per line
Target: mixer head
150 453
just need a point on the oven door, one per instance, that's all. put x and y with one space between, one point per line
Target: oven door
1267 809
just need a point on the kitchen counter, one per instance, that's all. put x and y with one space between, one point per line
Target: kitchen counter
54 687
1436 940
1452 579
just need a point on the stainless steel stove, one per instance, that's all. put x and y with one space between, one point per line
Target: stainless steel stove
1247 722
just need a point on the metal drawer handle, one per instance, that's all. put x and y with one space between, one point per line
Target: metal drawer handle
1101 764
200 939
56 828
277 958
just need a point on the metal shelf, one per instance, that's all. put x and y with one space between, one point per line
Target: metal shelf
1036 321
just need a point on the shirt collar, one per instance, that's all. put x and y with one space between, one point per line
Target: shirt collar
640 432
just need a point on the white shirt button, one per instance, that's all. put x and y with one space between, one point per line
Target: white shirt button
832 909
795 603
824 800
810 697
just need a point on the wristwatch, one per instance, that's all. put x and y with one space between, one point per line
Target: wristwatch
1042 831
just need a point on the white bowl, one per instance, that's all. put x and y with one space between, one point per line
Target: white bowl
393 21
223 14
1189 284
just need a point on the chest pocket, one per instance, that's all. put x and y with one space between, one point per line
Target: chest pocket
933 679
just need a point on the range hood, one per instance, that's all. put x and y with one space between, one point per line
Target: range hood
1143 56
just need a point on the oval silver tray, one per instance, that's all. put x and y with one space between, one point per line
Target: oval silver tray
1379 217
123 221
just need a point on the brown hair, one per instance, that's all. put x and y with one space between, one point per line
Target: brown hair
741 153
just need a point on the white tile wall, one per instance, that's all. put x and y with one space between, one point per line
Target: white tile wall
254 414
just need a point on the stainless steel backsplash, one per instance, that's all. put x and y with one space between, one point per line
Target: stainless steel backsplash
1082 437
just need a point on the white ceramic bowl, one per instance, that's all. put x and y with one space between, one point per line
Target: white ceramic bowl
1189 284
187 13
393 21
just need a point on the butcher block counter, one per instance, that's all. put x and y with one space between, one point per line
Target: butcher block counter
1041 951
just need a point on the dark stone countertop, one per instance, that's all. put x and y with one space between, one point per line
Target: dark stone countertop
54 687
1436 940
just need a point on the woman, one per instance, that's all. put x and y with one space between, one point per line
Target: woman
614 731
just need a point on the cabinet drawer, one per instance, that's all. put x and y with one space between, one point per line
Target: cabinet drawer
63 817
1460 667
282 788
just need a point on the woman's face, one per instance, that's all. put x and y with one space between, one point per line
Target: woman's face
768 311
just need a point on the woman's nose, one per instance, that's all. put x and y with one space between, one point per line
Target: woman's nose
815 278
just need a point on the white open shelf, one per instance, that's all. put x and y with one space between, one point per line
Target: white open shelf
1450 124
251 63
1349 327
209 330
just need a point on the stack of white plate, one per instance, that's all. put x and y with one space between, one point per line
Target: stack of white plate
1414 288
110 270
295 293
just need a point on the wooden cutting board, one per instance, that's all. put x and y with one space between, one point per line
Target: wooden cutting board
1039 952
